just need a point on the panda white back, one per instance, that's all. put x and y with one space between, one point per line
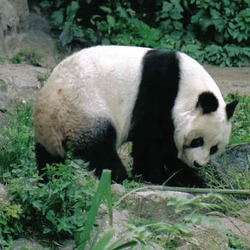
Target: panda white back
102 80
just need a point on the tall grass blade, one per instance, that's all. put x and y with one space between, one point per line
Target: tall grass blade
103 193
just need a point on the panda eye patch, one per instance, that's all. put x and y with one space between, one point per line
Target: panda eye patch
213 150
197 142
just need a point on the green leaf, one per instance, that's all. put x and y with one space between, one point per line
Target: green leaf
105 239
106 9
57 18
71 10
103 193
111 21
167 7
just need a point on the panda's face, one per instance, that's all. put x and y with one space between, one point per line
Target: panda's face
208 136
203 132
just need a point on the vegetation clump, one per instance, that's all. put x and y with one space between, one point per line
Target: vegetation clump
215 32
59 209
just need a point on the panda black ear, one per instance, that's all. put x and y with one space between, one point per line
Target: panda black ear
208 102
230 109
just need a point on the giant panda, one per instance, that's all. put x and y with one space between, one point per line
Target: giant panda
164 102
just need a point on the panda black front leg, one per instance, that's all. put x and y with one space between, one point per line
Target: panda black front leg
43 157
148 161
98 146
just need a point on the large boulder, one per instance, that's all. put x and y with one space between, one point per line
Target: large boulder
22 32
13 21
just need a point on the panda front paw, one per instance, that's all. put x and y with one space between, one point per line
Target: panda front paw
119 175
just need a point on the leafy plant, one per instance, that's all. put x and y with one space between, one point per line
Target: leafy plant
31 57
9 214
103 193
16 59
42 78
64 19
241 119
59 206
235 242
121 26
16 145
104 242
215 32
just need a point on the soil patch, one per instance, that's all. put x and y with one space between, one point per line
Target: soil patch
231 80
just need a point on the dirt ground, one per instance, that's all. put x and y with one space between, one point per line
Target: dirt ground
231 79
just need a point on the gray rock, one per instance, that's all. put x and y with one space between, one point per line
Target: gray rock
18 83
237 227
22 243
234 160
13 20
204 238
154 205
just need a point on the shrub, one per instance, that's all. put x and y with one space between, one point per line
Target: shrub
214 31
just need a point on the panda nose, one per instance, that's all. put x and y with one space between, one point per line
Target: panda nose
197 165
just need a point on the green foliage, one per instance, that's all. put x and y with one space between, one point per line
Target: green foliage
9 214
222 22
42 78
31 57
105 241
121 26
16 59
16 145
3 58
235 242
58 207
64 19
215 32
241 119
103 193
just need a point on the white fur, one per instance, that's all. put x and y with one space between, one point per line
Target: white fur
93 83
189 121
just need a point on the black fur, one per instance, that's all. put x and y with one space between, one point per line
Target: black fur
154 151
208 102
43 157
98 146
230 109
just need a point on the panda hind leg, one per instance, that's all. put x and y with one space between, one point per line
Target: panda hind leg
43 157
97 145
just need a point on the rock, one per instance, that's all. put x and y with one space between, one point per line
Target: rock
238 228
67 245
13 20
18 83
21 244
204 238
22 32
39 39
234 160
154 205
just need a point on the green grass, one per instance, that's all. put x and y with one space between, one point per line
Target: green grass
27 55
241 119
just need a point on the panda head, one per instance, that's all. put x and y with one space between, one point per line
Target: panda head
205 131
202 120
